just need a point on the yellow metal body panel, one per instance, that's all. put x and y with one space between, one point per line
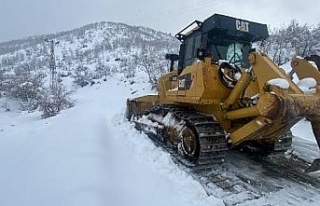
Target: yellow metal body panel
205 88
253 109
304 69
265 69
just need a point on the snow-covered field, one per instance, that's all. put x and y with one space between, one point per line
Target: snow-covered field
90 155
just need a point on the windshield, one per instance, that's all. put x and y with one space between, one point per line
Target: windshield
234 52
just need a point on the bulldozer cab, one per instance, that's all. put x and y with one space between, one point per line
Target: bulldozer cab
234 52
220 38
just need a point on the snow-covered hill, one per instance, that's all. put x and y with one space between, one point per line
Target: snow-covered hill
83 56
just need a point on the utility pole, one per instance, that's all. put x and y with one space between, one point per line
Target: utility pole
53 72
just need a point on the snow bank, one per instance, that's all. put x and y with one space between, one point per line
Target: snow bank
149 176
89 155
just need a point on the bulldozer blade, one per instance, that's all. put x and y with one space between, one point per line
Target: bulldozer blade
315 166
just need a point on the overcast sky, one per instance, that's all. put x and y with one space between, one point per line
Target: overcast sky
22 18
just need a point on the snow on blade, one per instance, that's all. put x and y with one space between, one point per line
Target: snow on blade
279 82
308 85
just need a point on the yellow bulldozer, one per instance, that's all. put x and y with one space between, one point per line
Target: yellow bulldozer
225 95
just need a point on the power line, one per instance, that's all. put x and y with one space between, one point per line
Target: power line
53 72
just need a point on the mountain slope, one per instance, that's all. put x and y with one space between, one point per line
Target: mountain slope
83 56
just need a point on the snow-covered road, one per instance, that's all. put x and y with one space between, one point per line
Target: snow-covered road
88 155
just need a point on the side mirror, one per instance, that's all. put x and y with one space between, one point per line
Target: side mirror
201 54
172 57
